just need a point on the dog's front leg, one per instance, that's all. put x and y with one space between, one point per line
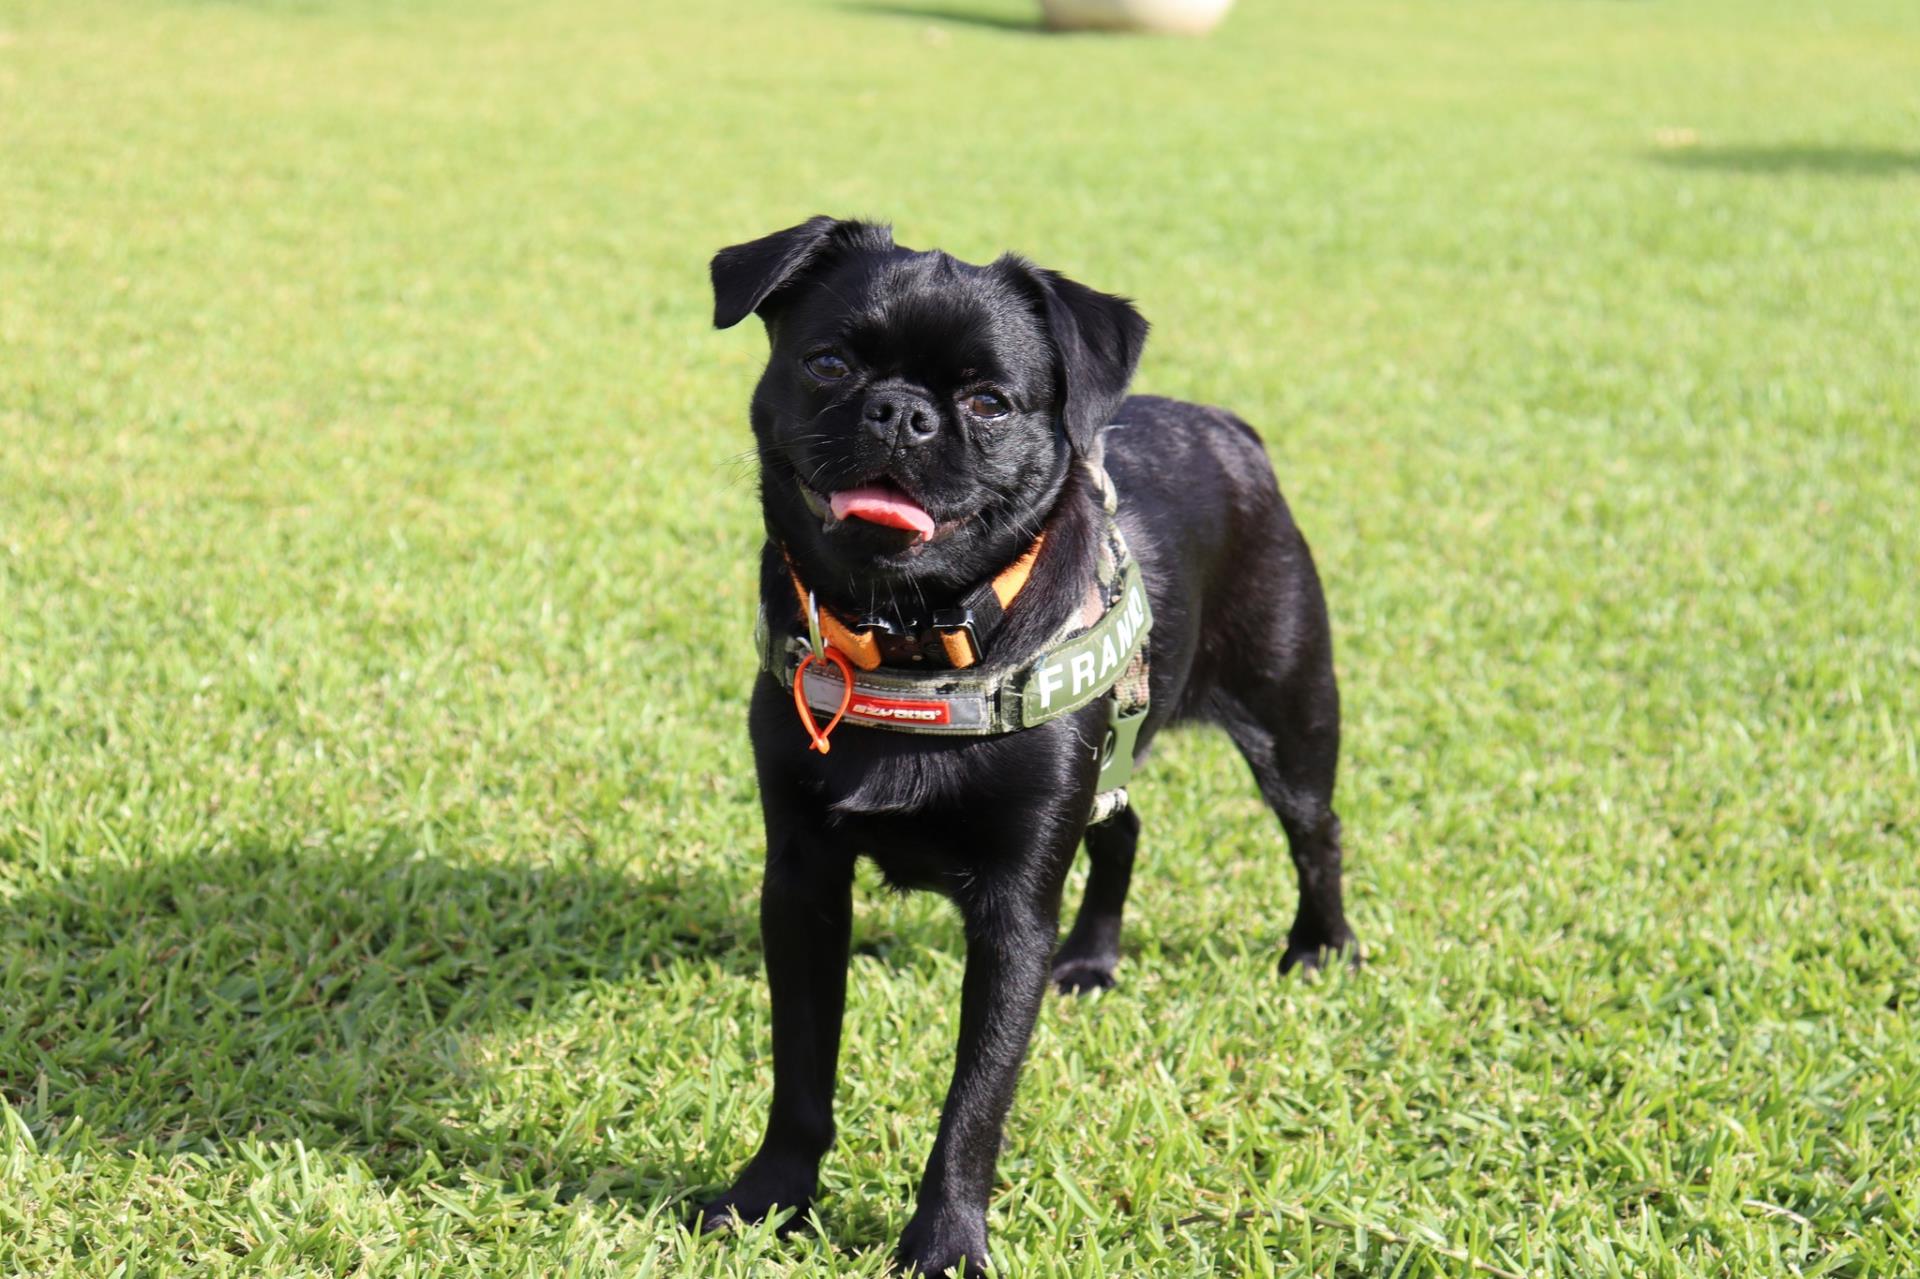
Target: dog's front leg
1010 936
806 919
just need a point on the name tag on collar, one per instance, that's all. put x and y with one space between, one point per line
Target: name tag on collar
1080 670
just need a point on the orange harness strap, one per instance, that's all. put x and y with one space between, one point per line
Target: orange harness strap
858 647
1007 583
1012 579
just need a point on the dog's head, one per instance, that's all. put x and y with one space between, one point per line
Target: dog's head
919 414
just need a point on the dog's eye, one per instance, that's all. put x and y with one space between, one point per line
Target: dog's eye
827 366
988 404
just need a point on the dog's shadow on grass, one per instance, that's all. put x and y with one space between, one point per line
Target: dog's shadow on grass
346 1000
1805 158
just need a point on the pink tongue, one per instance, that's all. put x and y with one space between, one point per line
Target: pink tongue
883 504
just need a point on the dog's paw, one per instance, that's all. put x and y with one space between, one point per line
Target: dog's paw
1312 956
944 1243
1078 975
757 1196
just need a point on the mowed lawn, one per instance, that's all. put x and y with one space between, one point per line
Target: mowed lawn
378 841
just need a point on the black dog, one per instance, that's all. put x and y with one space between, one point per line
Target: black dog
923 425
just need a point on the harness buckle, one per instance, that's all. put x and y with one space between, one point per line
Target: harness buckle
935 641
954 625
881 624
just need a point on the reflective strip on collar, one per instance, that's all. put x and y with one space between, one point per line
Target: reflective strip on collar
917 709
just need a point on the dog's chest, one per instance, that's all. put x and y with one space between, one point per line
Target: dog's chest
907 863
933 815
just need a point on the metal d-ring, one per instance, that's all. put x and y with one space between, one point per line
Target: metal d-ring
813 625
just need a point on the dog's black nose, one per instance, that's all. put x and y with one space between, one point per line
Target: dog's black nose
898 416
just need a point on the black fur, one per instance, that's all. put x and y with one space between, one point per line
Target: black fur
1239 638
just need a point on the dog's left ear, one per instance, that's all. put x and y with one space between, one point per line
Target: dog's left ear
1097 339
746 277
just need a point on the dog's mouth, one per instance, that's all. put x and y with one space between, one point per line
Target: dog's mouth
880 502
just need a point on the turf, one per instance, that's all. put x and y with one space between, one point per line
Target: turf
378 846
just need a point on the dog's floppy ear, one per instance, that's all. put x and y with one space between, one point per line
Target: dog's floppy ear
746 277
1097 339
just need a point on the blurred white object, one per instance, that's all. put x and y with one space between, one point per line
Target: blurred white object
1182 17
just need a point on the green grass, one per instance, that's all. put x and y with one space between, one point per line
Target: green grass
378 846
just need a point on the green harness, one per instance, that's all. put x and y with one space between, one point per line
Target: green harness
1099 652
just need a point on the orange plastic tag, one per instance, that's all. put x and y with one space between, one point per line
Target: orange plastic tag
814 731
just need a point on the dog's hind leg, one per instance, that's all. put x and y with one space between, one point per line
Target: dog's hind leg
1086 960
1289 733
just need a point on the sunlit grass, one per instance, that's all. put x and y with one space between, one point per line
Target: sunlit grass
378 845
